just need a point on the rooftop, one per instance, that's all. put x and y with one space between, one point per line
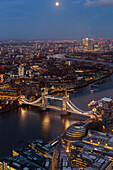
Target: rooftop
99 138
19 162
106 99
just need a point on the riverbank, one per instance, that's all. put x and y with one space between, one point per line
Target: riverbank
74 89
27 123
81 74
70 90
96 80
10 109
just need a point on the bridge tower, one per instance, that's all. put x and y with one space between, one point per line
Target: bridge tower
67 96
64 104
65 100
44 99
46 93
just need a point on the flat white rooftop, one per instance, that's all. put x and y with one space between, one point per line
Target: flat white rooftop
106 99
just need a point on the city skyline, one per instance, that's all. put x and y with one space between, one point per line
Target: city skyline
74 19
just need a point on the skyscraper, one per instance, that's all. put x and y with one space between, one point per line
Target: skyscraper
88 44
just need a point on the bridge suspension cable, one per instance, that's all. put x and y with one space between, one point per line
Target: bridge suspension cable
75 106
69 103
34 102
76 110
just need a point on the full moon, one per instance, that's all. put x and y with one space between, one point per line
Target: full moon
57 3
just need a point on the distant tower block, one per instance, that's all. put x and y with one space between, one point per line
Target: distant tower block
21 71
88 43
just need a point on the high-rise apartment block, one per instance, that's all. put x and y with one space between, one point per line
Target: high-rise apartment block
21 71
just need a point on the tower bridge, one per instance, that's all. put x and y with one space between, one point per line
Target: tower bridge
67 105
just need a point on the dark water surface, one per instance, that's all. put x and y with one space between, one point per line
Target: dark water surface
25 123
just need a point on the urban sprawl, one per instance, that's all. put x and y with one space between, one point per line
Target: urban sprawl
33 72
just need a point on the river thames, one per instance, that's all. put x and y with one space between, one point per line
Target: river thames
26 123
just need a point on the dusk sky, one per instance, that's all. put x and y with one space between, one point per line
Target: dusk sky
41 19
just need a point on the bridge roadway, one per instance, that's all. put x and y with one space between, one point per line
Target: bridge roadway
40 105
33 104
58 108
70 107
80 113
54 107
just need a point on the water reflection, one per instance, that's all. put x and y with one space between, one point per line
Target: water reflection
27 123
23 114
66 123
46 123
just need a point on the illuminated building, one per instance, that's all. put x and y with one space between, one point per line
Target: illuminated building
107 45
5 85
90 161
88 43
99 139
90 148
74 132
31 155
95 151
21 71
100 44
1 78
40 147
18 162
9 94
29 73
91 44
95 47
80 162
85 43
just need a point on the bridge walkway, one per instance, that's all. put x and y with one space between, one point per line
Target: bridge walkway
71 108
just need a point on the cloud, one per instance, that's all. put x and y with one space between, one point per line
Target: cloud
100 3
